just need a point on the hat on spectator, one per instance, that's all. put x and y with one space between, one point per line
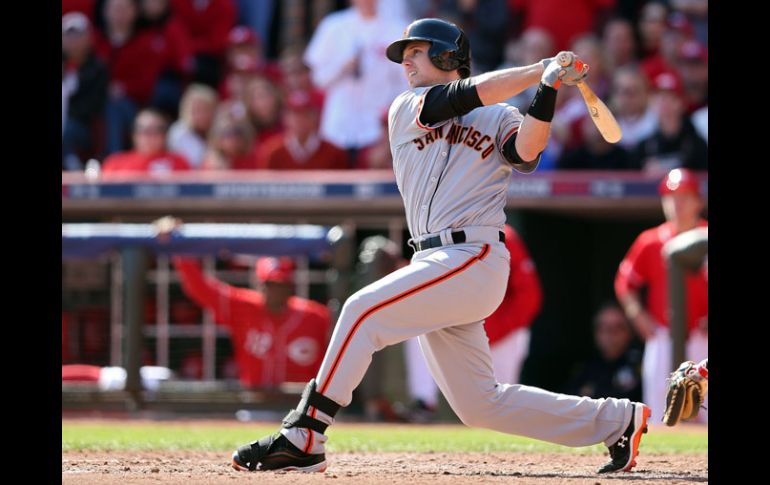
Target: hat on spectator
668 81
679 180
75 22
692 50
303 101
278 270
240 35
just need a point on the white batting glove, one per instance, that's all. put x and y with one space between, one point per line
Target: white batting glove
555 73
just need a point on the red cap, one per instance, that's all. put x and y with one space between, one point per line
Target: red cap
303 101
278 270
241 35
692 50
679 180
668 81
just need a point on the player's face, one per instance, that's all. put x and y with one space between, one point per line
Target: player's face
682 208
417 66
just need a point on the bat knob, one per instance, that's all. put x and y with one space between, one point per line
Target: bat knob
564 58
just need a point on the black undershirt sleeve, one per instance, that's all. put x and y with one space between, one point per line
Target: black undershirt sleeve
446 101
509 151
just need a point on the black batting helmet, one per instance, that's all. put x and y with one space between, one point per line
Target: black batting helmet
444 37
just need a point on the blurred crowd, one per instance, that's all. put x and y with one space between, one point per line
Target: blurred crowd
156 86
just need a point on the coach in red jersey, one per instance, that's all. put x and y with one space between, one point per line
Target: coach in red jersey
277 337
644 266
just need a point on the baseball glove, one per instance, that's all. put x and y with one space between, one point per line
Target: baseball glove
686 391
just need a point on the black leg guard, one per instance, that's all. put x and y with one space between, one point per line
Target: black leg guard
298 417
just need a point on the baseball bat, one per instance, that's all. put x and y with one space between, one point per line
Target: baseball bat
600 113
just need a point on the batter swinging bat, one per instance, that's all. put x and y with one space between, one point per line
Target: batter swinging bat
600 114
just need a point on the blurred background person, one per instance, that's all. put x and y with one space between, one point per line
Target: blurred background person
122 47
149 154
245 60
277 336
208 23
615 370
170 38
644 267
630 104
188 135
676 32
563 19
486 23
675 143
651 25
693 68
264 105
84 91
230 145
346 56
619 43
595 153
300 147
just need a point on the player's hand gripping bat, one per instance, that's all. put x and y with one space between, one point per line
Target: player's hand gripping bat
600 114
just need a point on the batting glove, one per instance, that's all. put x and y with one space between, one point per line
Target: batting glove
555 74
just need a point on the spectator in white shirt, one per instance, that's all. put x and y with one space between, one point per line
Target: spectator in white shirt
347 57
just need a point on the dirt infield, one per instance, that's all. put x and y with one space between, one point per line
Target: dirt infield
198 468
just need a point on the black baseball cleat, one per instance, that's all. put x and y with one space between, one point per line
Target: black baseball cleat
624 452
275 452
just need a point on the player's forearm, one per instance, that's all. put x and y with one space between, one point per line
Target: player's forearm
632 304
497 86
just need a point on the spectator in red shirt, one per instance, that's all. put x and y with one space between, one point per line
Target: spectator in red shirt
231 145
135 62
652 24
244 60
564 19
208 22
693 65
263 109
176 45
277 337
84 83
296 73
644 266
677 31
149 154
300 147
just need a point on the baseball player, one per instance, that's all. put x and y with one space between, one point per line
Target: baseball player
454 148
644 266
507 329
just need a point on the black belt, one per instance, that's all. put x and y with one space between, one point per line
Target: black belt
458 237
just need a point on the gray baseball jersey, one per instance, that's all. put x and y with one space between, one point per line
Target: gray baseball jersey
453 176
